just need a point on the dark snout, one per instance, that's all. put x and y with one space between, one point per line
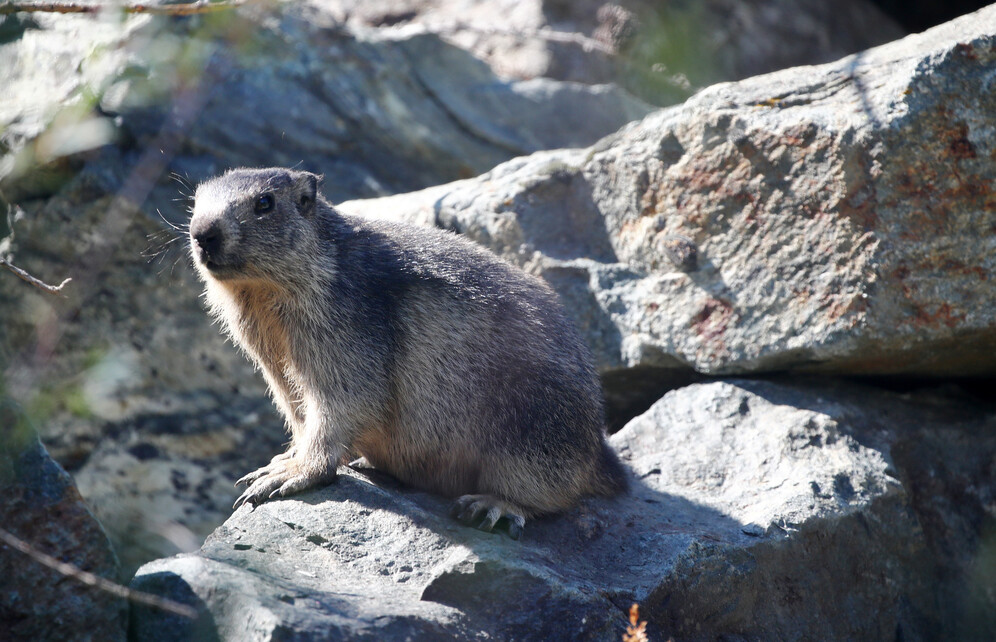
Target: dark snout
206 241
213 243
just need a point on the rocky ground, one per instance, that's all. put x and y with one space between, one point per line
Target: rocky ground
785 280
759 510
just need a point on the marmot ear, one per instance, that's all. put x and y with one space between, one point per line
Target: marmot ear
307 192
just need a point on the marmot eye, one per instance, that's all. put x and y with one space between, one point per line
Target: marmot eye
264 203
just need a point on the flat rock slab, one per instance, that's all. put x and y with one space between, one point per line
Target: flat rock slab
749 499
835 218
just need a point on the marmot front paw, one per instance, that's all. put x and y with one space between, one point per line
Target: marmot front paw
280 478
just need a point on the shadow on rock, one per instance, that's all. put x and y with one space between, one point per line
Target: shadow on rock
364 554
152 623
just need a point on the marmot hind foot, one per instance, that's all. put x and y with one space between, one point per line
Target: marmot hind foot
483 512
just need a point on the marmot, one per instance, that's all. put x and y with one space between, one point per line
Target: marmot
412 347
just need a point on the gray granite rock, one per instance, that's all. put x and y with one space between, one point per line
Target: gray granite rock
758 511
839 216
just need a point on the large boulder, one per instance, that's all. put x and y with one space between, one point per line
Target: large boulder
758 510
832 219
40 506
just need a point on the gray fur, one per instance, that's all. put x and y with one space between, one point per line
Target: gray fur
419 350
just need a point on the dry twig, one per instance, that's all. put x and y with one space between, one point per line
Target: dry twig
189 9
38 283
95 580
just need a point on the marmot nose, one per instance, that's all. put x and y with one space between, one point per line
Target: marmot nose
209 240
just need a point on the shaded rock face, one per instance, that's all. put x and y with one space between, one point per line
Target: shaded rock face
758 510
923 14
838 216
40 505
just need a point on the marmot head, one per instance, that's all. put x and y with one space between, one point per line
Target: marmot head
254 224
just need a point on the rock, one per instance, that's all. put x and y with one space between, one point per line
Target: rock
378 114
834 212
659 51
40 505
748 39
164 481
758 510
47 119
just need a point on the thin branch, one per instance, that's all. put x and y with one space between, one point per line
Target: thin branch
95 580
189 9
38 283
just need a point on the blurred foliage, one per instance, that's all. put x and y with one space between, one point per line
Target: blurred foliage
73 395
16 433
50 400
667 58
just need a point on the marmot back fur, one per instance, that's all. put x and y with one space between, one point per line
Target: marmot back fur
435 360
